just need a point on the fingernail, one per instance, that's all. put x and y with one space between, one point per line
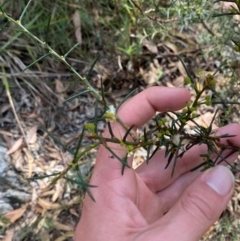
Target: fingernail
220 179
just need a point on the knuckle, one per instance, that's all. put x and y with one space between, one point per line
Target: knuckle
196 206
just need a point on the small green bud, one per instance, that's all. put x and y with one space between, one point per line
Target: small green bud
164 120
90 127
110 116
122 143
167 132
194 115
188 104
208 100
184 110
183 121
130 148
187 81
192 109
199 71
205 158
209 81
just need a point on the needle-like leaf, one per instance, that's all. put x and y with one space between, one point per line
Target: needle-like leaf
128 133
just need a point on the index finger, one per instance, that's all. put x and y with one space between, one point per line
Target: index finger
142 107
137 111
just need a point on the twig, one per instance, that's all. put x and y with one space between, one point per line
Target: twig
151 18
5 82
207 28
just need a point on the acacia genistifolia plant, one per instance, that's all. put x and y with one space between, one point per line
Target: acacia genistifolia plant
169 129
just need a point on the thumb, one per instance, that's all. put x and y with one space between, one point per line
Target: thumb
201 204
198 208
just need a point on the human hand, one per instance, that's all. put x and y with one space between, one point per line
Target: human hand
147 203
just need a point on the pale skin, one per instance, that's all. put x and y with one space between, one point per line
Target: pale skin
147 203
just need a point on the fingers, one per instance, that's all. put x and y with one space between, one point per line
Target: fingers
157 178
232 129
198 208
203 202
137 111
142 107
170 195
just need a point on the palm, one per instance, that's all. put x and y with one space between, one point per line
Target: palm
132 206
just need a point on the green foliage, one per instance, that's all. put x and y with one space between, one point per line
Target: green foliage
109 26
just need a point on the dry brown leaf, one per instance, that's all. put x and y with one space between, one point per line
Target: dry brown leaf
50 129
75 200
65 236
42 166
14 215
51 149
16 155
181 69
206 119
52 164
45 235
39 209
67 158
179 81
40 225
138 160
60 89
20 165
74 212
151 47
7 140
4 108
31 135
169 84
7 133
47 205
152 75
55 214
77 24
31 116
63 227
47 193
9 235
55 156
59 190
44 185
32 217
73 107
41 121
172 47
30 160
17 144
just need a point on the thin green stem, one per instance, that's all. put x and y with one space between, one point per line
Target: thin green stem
24 11
54 53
